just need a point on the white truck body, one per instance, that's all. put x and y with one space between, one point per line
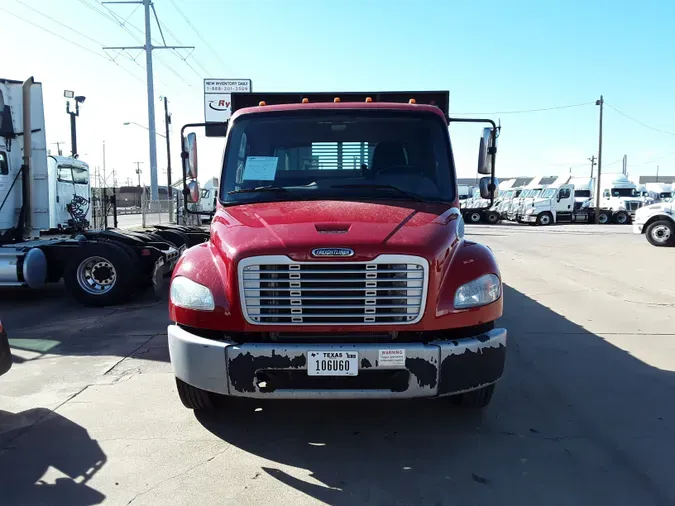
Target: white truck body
618 193
208 196
657 222
555 201
68 179
659 192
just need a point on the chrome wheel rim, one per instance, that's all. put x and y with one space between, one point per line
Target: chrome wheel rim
621 219
475 217
545 220
661 234
96 275
603 219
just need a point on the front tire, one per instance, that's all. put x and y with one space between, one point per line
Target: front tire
193 397
661 233
476 399
544 219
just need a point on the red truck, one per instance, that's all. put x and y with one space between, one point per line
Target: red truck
337 265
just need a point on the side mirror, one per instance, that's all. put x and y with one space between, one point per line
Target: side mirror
488 188
559 196
486 150
193 191
191 156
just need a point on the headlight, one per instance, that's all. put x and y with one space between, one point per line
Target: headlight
190 295
530 210
478 292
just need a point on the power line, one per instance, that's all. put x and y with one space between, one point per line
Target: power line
640 122
526 110
57 35
225 66
58 22
659 159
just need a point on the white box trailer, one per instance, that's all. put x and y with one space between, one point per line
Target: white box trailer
45 211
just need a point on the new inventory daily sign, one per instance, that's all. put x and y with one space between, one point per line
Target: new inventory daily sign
218 98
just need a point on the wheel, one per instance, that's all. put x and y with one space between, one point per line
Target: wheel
621 218
100 274
473 217
475 399
603 219
193 397
492 217
661 233
544 219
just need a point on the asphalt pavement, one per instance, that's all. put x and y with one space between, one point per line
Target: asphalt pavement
583 416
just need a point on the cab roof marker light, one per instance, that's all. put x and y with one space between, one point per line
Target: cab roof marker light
336 99
262 103
369 99
412 101
305 101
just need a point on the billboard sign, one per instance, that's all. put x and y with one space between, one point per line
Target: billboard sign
218 100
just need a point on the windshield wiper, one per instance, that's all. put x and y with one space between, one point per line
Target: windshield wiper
258 189
382 187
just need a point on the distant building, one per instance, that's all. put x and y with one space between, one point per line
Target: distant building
653 179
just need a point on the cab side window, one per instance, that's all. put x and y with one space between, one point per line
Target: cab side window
605 194
4 166
564 193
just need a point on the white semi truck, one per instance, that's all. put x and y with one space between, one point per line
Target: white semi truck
659 191
45 212
619 195
657 222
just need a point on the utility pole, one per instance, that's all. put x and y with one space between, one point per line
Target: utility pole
593 164
148 48
138 172
167 122
59 151
657 173
625 165
601 103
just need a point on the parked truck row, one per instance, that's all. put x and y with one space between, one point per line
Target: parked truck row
45 215
567 200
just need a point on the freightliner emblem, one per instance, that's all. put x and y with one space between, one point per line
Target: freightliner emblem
332 252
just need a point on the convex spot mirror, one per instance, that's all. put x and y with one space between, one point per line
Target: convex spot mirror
193 192
486 151
488 188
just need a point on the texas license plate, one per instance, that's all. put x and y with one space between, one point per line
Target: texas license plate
332 363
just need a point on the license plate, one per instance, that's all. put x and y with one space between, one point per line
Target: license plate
332 363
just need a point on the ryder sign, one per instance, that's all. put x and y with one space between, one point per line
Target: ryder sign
218 99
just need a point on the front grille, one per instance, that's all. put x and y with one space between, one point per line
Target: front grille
278 291
632 206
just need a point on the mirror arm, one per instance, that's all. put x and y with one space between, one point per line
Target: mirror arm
492 152
184 155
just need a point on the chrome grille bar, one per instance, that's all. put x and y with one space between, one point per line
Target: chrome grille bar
276 290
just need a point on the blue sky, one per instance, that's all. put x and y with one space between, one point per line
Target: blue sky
493 56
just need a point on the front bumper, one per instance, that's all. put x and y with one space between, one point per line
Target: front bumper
637 227
529 218
430 370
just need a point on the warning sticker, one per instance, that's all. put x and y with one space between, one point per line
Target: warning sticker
391 358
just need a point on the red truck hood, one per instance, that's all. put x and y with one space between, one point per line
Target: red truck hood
369 228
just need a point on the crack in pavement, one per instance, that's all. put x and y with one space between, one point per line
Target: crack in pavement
191 468
130 354
23 431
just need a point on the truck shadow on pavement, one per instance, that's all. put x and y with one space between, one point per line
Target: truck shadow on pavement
575 420
48 322
46 459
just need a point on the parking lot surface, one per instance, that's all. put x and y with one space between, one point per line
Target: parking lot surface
583 416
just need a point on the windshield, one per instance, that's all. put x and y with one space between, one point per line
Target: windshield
624 192
534 193
548 193
70 174
525 193
309 154
582 193
205 194
665 195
